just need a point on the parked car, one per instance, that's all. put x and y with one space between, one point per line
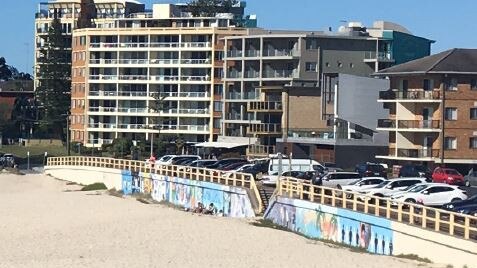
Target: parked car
273 179
389 187
176 160
7 160
471 178
331 167
224 162
337 179
431 194
202 163
371 170
411 170
233 166
238 169
362 184
456 205
447 175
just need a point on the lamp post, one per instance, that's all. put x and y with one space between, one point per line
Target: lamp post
68 133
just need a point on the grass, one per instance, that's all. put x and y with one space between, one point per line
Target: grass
413 257
37 152
116 193
94 187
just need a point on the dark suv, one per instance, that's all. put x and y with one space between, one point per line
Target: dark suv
410 170
371 170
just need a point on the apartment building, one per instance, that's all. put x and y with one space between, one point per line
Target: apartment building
123 68
68 12
432 106
265 71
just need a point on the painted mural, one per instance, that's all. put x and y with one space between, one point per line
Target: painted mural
227 200
330 223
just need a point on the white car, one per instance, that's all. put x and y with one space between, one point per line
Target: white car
230 173
272 179
337 179
363 184
389 187
431 194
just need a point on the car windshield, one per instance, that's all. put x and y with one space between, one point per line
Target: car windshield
382 184
355 182
418 188
375 168
317 168
165 158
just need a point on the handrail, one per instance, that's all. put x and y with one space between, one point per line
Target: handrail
244 180
435 219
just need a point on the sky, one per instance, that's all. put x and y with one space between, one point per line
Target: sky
450 23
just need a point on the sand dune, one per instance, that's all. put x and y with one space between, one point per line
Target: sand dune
44 225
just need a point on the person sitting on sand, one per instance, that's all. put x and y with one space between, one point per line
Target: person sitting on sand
199 209
210 210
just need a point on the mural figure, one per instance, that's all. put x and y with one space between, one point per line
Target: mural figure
327 225
365 235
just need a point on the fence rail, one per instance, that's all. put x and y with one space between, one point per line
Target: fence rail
193 173
451 223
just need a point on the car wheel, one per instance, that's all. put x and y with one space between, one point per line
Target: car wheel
456 199
338 186
410 200
467 183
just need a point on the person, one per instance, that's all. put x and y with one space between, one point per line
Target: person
152 161
199 209
210 210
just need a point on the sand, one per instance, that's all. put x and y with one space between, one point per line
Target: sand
45 223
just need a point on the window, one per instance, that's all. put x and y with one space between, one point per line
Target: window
473 84
428 84
473 143
310 66
340 64
450 143
451 113
327 64
311 44
451 84
218 106
351 65
473 113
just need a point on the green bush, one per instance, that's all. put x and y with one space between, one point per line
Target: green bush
95 186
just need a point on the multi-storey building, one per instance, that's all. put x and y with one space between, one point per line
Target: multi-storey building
68 12
264 70
432 109
122 68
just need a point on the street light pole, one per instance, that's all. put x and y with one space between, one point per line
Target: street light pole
68 133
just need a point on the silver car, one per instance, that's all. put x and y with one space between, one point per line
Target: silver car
471 178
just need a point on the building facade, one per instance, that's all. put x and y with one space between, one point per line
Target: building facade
157 72
432 106
267 71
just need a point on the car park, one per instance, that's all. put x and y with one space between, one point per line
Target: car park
336 179
371 170
431 194
447 175
362 184
412 170
471 178
389 187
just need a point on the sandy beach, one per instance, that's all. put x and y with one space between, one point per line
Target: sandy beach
47 223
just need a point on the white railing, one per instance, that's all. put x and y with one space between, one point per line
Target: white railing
102 125
102 93
133 45
164 77
103 77
132 77
132 126
164 61
164 44
102 109
100 141
195 61
132 110
133 61
103 61
196 44
195 78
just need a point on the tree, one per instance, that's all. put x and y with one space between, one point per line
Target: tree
209 8
155 122
53 91
5 72
120 147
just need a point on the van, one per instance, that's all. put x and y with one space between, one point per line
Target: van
337 179
276 165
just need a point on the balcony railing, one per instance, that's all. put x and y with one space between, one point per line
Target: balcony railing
164 44
103 77
252 74
386 123
101 125
280 74
100 141
280 53
133 61
422 124
409 95
102 93
132 110
185 127
264 106
164 61
132 93
195 78
234 53
185 111
103 61
195 61
164 77
196 44
133 45
182 94
234 74
265 128
103 45
252 53
132 77
418 153
260 150
103 109
381 56
132 126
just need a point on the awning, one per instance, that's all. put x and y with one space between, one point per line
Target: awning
218 144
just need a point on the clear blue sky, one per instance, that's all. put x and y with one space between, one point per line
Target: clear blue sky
450 23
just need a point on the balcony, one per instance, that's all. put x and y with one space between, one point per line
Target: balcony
256 150
195 78
265 129
164 77
410 96
418 153
103 61
101 125
234 74
132 94
103 45
372 56
193 128
100 141
234 53
409 125
252 53
133 77
133 45
186 111
264 106
281 53
102 109
164 44
103 77
164 61
252 74
280 74
181 94
195 61
196 44
102 93
132 126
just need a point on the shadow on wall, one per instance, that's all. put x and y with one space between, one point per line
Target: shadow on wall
335 224
228 200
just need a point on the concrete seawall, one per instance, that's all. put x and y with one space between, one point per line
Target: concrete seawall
229 201
374 234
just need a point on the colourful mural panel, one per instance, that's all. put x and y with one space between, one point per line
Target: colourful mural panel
126 182
339 225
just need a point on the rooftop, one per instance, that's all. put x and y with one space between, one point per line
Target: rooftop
457 60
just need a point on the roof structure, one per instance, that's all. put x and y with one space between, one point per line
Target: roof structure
456 61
